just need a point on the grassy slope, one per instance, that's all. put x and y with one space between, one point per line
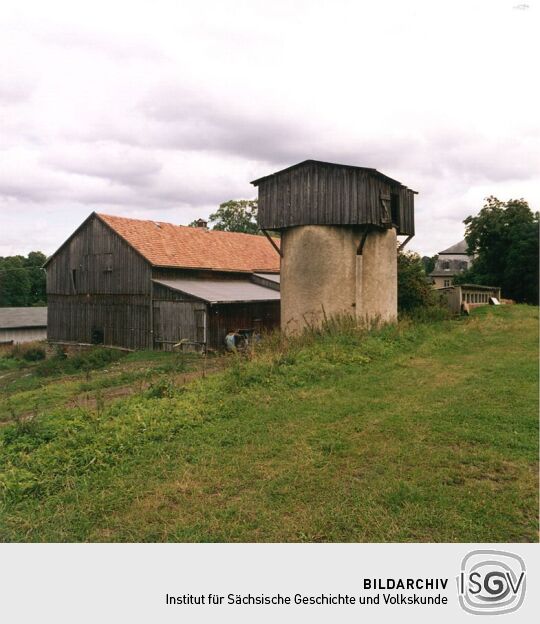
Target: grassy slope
415 433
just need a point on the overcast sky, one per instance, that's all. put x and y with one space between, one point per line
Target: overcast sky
163 110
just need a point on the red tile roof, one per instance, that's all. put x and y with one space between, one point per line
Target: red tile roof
179 246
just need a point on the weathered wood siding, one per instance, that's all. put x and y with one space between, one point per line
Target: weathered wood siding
123 319
97 282
103 263
165 274
177 320
319 194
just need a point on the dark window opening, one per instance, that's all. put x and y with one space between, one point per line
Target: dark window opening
394 208
74 280
98 336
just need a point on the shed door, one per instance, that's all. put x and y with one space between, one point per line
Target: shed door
200 320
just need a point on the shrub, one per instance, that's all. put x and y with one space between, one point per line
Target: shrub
414 292
160 389
34 354
30 352
92 359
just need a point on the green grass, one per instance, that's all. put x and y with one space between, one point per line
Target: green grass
32 388
420 432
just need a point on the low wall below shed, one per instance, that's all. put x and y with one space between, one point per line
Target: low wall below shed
24 334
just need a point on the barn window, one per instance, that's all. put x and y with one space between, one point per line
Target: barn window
74 280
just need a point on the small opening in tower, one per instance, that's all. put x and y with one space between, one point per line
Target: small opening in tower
394 208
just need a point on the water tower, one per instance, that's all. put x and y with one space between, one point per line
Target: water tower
339 226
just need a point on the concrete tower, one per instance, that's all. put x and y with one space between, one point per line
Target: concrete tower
339 227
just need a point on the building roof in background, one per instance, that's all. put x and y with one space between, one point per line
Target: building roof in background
445 272
458 248
221 291
479 286
179 246
18 318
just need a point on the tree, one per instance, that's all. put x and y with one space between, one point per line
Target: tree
236 215
429 263
38 281
14 282
504 240
413 289
22 280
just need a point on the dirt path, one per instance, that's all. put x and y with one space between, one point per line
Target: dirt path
90 399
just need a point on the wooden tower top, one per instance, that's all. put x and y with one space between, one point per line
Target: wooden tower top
314 192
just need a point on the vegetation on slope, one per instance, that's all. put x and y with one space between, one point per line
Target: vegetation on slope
420 432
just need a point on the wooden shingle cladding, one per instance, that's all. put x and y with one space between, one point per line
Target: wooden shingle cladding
319 193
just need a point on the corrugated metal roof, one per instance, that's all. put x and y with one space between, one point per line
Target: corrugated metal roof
17 318
271 277
221 291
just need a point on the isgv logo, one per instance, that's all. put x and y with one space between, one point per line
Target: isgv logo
491 582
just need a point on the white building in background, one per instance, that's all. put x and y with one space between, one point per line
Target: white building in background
450 262
22 325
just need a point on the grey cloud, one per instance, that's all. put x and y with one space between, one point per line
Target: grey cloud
180 119
109 162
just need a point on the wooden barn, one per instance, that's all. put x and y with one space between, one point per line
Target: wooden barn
142 284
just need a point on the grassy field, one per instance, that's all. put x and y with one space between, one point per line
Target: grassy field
420 432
